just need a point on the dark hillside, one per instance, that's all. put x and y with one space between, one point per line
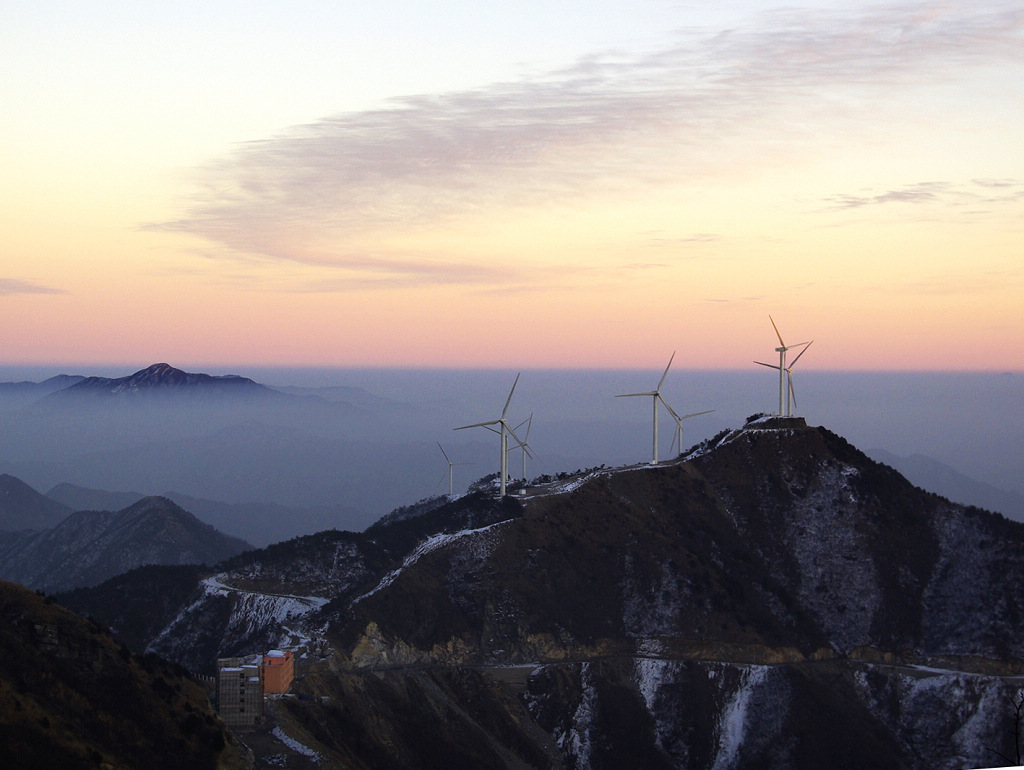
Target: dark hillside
773 599
136 605
70 697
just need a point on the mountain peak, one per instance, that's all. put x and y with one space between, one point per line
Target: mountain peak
162 379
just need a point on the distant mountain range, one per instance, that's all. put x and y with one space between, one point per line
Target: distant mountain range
928 473
88 547
257 523
25 392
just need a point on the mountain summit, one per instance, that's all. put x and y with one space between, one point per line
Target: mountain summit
164 380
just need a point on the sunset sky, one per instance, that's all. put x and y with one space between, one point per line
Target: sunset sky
512 184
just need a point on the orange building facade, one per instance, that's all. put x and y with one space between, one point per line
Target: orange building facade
278 670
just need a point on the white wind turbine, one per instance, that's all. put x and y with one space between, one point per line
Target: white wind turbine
655 397
781 350
677 441
524 445
503 430
448 472
790 390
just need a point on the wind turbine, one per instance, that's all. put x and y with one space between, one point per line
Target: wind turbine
503 430
655 397
524 445
781 350
449 471
678 440
790 390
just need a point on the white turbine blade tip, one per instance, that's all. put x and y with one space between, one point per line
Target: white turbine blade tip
509 399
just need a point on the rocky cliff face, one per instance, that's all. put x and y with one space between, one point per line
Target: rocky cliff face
774 599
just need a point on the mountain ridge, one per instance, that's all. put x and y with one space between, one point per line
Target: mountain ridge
88 547
773 598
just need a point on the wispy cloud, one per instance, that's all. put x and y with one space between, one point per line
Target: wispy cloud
973 193
10 286
317 194
924 192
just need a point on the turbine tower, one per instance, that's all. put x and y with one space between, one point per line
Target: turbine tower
504 430
524 445
655 397
678 440
448 472
781 350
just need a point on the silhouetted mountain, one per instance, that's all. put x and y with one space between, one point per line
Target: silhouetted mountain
774 599
20 393
257 523
70 697
162 381
263 523
84 499
90 546
22 507
928 473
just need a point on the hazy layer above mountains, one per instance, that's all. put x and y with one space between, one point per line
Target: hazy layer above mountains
366 440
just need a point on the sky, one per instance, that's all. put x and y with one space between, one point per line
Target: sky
512 185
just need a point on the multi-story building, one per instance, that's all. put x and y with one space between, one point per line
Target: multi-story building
239 691
278 669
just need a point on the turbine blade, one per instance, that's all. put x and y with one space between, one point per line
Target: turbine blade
770 366
478 425
697 414
671 411
792 390
509 399
783 344
512 433
443 477
628 395
806 345
662 380
443 452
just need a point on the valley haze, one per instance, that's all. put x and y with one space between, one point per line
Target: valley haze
345 446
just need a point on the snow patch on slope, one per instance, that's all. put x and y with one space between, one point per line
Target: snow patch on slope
838 580
428 545
733 720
